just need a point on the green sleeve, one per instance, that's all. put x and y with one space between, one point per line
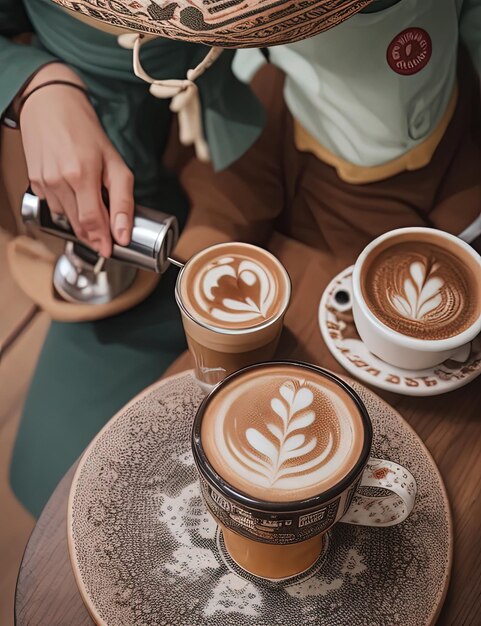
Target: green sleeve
17 62
232 114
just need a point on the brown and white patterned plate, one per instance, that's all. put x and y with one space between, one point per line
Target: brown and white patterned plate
145 552
341 337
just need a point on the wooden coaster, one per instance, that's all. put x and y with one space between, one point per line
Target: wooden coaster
145 551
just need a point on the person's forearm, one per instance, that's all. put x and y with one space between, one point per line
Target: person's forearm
44 77
225 207
240 203
243 201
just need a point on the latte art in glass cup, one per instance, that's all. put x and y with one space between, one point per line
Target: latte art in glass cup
232 297
417 297
281 449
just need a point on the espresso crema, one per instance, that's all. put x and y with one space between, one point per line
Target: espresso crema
234 286
420 289
282 433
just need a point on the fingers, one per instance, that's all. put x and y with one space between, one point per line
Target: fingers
119 181
67 204
93 216
79 198
76 191
68 154
61 201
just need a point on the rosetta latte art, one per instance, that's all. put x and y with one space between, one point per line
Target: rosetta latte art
421 294
300 437
235 290
268 460
282 433
421 290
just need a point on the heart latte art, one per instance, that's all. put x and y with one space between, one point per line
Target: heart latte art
282 434
234 286
421 290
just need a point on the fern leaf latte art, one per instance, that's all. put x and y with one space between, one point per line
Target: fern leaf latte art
421 289
281 434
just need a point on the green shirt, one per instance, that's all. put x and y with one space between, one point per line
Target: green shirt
136 122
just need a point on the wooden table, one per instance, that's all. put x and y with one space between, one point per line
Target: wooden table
449 425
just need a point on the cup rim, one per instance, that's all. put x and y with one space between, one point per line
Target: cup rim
230 492
233 331
427 345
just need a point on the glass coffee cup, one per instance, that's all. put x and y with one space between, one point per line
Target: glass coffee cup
233 298
281 449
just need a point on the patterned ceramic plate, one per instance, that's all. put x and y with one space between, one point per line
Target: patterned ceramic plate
146 552
341 337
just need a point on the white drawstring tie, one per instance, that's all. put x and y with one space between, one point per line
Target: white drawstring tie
184 93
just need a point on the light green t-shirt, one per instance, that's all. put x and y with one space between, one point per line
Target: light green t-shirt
376 86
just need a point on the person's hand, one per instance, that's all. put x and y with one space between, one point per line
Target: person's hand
69 158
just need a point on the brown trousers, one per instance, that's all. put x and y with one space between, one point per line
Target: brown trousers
316 223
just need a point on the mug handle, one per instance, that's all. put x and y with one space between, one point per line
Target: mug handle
385 510
341 299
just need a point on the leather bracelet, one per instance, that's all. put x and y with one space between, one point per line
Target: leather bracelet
48 83
9 118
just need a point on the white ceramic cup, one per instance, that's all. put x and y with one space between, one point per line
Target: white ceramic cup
394 347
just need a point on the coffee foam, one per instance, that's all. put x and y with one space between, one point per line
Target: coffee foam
282 433
234 286
421 289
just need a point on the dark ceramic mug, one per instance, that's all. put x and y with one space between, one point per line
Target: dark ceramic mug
280 539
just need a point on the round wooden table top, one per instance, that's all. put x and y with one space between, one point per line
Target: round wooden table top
450 427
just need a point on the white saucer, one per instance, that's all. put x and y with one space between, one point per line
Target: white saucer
340 334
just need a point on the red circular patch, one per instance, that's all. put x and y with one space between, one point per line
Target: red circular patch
409 51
